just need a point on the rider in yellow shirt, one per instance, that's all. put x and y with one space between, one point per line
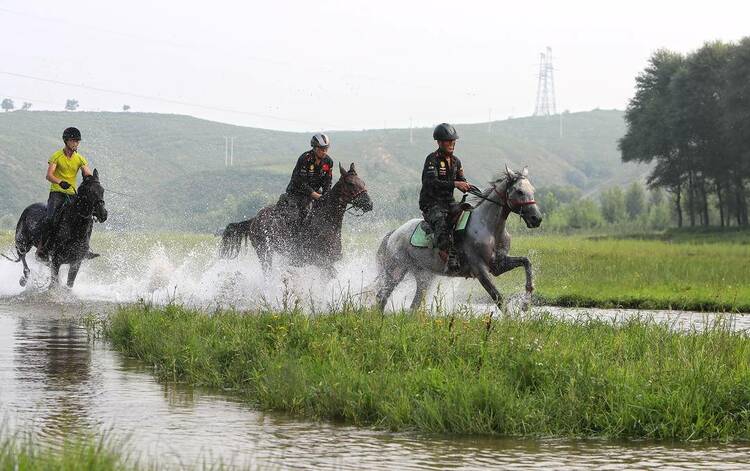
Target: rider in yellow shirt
61 173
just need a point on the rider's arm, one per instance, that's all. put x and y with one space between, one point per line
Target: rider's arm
430 176
298 183
50 174
86 171
459 171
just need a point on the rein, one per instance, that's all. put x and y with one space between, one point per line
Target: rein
504 202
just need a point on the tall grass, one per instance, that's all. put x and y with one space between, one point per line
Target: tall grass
76 453
459 373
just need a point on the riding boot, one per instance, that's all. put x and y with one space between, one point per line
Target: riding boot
44 242
453 262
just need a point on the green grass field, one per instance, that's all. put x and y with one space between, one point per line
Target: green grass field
460 373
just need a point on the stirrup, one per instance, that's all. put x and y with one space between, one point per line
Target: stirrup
453 264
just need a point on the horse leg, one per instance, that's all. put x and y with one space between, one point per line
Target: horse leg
389 280
72 273
264 255
485 279
424 280
26 270
54 273
506 263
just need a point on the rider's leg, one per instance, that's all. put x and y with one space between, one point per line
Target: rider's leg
54 202
437 217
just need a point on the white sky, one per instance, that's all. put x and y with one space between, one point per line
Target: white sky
298 65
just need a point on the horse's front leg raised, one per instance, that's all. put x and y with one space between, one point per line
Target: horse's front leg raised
72 273
504 263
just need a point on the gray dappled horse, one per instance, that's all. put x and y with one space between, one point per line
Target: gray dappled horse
316 242
482 248
72 230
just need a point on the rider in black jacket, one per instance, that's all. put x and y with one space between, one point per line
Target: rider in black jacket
311 177
442 173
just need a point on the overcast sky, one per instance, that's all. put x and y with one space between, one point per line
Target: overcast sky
297 65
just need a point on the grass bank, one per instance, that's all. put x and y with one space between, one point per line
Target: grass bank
534 377
636 273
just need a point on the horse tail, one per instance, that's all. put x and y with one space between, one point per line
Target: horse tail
380 255
235 235
8 258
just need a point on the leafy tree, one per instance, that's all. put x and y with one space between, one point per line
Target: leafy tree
655 197
71 105
635 200
125 107
26 106
613 205
736 118
7 104
583 214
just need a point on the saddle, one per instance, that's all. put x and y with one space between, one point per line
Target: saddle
458 217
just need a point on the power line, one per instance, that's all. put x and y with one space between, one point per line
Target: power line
166 100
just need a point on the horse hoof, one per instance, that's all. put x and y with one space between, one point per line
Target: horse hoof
22 282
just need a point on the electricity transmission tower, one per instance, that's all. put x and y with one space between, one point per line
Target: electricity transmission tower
545 90
228 151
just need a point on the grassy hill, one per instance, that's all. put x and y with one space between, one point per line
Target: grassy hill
175 164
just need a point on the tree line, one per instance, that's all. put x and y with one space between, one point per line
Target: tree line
691 117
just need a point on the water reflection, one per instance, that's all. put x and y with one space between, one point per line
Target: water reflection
55 381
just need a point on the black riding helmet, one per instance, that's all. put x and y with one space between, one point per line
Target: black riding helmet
444 132
71 133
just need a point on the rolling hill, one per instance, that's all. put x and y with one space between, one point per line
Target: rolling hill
172 166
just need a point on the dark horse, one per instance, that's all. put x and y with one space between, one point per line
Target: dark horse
71 231
317 241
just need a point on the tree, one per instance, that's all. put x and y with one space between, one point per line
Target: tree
71 105
125 107
736 118
635 200
26 106
613 205
650 125
7 104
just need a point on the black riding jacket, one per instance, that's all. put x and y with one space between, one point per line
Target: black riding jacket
309 176
438 175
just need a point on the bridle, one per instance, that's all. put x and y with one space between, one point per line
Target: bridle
506 202
87 202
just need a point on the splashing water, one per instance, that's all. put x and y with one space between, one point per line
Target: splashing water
188 270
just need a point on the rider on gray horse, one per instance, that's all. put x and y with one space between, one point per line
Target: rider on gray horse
442 173
311 177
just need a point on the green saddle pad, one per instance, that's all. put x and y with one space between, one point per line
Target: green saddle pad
421 239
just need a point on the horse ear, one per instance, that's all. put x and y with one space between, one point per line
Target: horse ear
351 169
96 174
525 172
509 172
341 169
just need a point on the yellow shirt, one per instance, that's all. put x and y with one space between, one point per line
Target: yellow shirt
67 169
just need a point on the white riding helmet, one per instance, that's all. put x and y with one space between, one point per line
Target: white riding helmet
320 140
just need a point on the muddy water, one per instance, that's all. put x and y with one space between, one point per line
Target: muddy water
54 380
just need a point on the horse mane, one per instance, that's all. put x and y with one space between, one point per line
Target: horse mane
476 201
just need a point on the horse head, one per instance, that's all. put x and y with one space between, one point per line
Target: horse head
353 190
91 194
518 196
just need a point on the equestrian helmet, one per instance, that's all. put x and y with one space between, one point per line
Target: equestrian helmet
444 132
320 140
71 133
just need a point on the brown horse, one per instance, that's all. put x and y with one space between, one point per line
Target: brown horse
316 241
